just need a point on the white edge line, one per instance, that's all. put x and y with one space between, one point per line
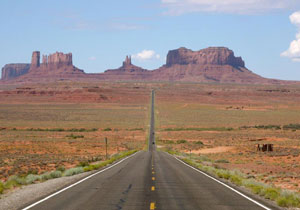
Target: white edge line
76 183
234 190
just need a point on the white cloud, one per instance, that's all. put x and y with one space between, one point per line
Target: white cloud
294 50
146 55
295 18
92 58
178 7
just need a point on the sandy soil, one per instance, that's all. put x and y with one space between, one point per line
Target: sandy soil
213 150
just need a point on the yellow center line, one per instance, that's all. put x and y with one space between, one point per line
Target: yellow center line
152 188
153 178
153 172
152 206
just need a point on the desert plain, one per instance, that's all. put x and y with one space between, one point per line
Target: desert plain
44 127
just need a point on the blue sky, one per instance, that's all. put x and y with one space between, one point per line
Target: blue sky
101 33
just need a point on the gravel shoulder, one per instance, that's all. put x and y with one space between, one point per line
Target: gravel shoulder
25 195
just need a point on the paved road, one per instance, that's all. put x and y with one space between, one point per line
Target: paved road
149 180
152 146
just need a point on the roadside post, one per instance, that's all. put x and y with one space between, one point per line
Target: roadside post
105 147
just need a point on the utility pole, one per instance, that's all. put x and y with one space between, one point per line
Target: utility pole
105 148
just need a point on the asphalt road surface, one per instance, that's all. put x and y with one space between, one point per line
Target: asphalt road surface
152 121
149 180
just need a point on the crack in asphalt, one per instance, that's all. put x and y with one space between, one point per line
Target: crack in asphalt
123 200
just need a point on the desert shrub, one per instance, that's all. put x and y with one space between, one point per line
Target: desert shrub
190 162
256 189
209 169
32 171
31 178
199 142
245 127
222 161
182 141
137 129
107 129
1 187
223 174
288 199
109 161
254 186
73 171
11 182
21 180
89 168
83 164
271 193
276 127
46 176
170 150
57 129
55 174
292 127
283 198
236 179
96 166
72 136
61 168
167 141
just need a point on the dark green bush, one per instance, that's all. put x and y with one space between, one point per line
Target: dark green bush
1 187
72 136
11 183
61 168
83 164
222 161
276 127
182 141
271 193
288 200
292 127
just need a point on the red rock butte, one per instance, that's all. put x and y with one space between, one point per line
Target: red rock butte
210 65
56 63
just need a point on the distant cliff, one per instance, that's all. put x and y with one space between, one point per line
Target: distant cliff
10 71
208 56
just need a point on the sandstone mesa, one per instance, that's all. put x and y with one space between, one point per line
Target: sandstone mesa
213 64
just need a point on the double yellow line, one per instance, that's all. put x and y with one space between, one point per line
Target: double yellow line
152 204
